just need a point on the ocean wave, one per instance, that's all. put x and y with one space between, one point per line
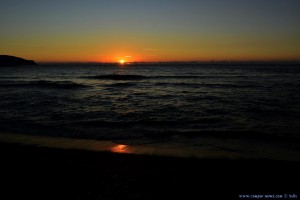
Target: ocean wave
227 85
12 77
152 123
122 85
223 76
208 85
286 85
179 77
146 129
183 84
117 77
43 84
140 77
125 77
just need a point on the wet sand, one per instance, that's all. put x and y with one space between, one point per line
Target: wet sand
30 172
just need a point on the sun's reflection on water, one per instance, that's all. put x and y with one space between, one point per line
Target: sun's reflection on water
120 148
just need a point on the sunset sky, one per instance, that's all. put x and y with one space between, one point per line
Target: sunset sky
150 30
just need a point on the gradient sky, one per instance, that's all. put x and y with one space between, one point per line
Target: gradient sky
150 30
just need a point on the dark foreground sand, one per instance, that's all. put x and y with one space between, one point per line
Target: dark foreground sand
29 172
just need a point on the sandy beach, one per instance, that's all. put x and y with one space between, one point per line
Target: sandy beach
31 172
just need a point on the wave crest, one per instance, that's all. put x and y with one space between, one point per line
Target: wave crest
117 77
42 83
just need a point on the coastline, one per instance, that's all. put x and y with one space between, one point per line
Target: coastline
177 150
116 147
38 172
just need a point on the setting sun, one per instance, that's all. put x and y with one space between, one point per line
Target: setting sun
122 61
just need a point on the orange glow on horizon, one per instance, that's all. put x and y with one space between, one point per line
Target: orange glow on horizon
140 55
128 55
122 62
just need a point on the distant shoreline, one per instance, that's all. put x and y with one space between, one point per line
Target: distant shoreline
12 61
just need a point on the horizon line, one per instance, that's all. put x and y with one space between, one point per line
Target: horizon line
169 62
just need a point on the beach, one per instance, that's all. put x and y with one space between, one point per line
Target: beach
31 172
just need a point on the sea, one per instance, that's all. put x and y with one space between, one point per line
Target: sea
178 109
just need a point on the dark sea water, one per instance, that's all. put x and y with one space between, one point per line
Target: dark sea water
249 110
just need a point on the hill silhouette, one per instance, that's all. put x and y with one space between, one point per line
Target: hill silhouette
6 60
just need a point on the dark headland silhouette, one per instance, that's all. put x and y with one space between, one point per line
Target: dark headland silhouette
6 60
